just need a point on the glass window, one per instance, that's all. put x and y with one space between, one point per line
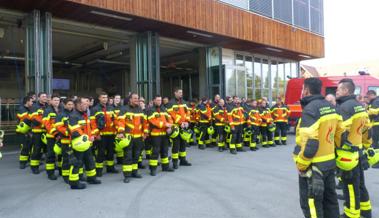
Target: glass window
241 83
265 74
249 76
294 71
239 60
357 90
257 78
230 78
281 79
375 88
287 68
274 79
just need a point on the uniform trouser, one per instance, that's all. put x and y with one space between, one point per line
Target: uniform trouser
213 138
280 132
357 200
193 138
50 156
254 136
64 159
204 138
220 136
324 206
178 149
236 137
375 136
105 151
159 147
131 156
246 137
37 146
25 147
266 136
82 158
148 147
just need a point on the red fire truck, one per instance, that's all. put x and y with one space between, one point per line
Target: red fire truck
363 83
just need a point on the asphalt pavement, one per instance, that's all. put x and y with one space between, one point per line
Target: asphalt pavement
261 184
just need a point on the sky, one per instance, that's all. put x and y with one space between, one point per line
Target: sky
351 32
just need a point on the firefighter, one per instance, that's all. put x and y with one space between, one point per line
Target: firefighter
373 111
205 123
178 110
81 135
280 113
194 118
214 104
49 119
102 121
314 153
23 129
116 111
236 119
266 125
63 145
132 121
246 128
37 131
147 142
220 115
254 121
160 122
356 123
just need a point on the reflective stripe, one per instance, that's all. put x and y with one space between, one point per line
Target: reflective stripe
127 168
312 208
50 166
65 172
153 163
110 163
135 166
239 145
24 158
276 138
323 158
365 205
284 138
99 165
120 154
175 155
91 173
34 163
164 160
351 211
81 170
72 176
182 154
38 130
270 142
157 133
107 133
232 146
253 145
66 141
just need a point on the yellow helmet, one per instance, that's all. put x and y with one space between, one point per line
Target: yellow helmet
347 159
210 130
81 143
248 132
44 139
121 143
23 128
196 130
272 127
227 129
57 149
174 132
372 156
186 134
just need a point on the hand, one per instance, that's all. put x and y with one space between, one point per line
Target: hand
364 162
120 135
168 125
144 136
92 138
182 125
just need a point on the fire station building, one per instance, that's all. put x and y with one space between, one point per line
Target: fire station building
247 48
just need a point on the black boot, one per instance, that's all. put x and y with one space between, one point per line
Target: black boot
184 162
277 142
201 147
79 185
119 160
51 175
81 178
35 170
93 181
99 172
65 179
167 168
240 149
220 149
233 151
175 163
141 166
284 142
153 171
111 169
136 175
22 165
126 179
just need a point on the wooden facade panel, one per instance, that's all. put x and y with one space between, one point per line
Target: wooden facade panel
217 18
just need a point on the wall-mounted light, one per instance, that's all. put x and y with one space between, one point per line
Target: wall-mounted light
199 34
304 56
111 15
273 49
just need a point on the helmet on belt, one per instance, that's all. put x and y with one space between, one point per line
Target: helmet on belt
174 132
196 129
210 130
227 129
186 134
22 128
81 143
121 143
272 127
372 156
347 157
57 149
44 139
248 131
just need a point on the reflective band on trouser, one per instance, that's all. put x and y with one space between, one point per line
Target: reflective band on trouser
34 163
264 143
164 160
312 208
120 154
239 145
221 144
253 145
365 205
175 156
50 166
276 138
208 141
65 172
182 154
351 211
153 163
59 164
73 177
323 158
23 158
99 165
284 138
135 167
270 142
127 168
110 163
232 146
214 140
148 152
375 124
81 171
140 158
91 173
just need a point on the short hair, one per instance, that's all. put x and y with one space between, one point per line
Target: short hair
26 99
314 85
31 93
177 89
67 100
371 92
348 84
157 96
55 95
41 93
101 93
79 100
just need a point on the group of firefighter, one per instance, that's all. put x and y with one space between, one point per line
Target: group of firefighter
74 136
